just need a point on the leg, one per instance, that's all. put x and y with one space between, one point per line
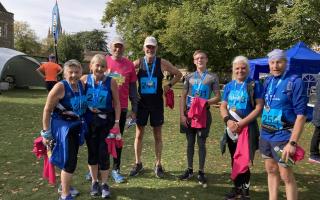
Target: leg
202 151
138 143
314 146
273 178
117 161
290 182
191 140
65 183
158 144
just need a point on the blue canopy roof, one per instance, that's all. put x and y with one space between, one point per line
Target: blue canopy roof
301 59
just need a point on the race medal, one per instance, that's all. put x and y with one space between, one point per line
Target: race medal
267 108
150 83
233 108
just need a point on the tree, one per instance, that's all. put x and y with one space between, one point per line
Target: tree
93 40
69 48
25 39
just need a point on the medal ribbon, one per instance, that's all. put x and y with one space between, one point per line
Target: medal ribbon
95 91
147 67
235 86
269 99
201 79
77 97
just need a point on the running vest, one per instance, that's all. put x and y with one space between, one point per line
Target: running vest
150 98
99 96
74 101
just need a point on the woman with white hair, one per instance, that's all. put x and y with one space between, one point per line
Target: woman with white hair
63 124
241 104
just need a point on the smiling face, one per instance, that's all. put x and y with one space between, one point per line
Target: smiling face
72 74
240 71
200 60
150 51
98 66
117 50
277 66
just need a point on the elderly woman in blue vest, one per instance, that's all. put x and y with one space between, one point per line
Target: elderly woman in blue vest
103 114
282 123
66 103
241 104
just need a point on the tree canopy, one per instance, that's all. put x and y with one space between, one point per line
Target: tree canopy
222 28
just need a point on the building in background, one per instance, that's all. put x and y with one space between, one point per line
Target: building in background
6 28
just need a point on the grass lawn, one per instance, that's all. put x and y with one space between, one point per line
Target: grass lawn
20 122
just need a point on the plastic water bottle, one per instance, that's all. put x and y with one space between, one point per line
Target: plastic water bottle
279 151
131 122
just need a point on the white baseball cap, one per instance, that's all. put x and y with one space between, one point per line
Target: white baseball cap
117 40
150 40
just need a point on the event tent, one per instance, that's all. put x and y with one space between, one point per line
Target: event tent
18 68
301 60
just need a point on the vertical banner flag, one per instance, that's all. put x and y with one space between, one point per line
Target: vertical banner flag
56 24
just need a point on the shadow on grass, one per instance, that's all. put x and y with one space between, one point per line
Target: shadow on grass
25 93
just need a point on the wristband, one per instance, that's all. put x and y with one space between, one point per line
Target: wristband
46 134
226 119
116 121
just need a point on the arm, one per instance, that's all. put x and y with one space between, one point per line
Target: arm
183 118
216 98
253 115
54 96
40 71
133 96
167 66
225 115
116 101
60 70
136 64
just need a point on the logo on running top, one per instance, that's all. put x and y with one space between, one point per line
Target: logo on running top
118 77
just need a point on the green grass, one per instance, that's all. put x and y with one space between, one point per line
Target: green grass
20 171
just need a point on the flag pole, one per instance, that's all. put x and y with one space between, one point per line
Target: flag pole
56 28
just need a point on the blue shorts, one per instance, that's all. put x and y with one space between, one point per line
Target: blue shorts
267 149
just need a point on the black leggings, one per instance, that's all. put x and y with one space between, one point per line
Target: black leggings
191 139
117 161
242 180
95 139
73 147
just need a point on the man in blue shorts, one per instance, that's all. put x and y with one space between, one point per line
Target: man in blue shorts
282 123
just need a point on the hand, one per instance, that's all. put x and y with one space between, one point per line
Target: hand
288 151
166 88
232 126
183 120
46 142
116 125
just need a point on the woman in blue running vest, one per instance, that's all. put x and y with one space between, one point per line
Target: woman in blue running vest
103 114
282 122
63 124
241 104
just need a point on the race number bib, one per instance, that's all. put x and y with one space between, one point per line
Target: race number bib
99 101
272 118
148 86
75 104
238 99
202 92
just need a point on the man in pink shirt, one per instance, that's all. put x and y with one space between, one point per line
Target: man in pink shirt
123 71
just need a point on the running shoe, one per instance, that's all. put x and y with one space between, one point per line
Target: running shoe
188 174
105 192
136 170
235 193
117 177
202 179
73 191
314 159
69 197
245 194
158 170
95 189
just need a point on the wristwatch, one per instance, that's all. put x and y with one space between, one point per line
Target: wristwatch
293 143
116 121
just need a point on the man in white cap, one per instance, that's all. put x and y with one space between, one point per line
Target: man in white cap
282 123
123 71
150 103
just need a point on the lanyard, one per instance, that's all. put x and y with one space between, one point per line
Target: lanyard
147 67
270 98
240 90
77 98
201 79
95 91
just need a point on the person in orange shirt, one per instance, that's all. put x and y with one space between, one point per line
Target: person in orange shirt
49 71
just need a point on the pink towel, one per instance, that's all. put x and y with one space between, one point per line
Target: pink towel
170 99
241 156
299 154
198 113
40 150
114 141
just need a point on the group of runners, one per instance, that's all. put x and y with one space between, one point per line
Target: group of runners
94 108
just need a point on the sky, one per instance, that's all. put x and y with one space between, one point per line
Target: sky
75 15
